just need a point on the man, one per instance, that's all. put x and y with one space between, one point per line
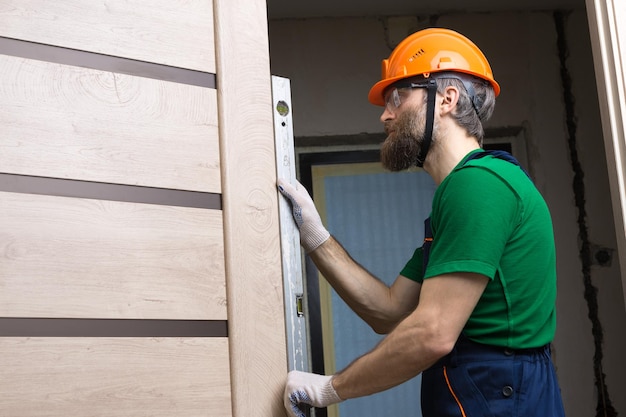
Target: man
474 309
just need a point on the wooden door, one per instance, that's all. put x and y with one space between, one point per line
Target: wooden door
140 270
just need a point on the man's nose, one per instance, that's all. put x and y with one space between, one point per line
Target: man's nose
387 115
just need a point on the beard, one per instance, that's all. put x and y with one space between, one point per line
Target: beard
405 138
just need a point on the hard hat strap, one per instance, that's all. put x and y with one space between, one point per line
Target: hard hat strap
431 88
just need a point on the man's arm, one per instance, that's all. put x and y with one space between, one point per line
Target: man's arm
426 335
380 306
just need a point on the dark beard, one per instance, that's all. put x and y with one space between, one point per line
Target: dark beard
402 148
399 153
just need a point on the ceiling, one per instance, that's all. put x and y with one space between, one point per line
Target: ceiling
284 9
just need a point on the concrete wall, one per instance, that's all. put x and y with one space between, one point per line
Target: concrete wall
332 63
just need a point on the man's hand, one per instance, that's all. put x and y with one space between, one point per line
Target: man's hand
312 231
309 389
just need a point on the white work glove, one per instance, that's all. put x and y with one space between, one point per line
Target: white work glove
310 389
312 231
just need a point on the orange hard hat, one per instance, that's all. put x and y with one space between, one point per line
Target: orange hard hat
430 51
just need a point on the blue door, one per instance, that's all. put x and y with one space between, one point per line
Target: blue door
378 217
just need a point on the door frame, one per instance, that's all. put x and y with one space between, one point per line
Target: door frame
608 43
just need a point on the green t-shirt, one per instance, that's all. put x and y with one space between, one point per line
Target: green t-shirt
488 218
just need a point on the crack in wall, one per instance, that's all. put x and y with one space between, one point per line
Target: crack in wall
604 407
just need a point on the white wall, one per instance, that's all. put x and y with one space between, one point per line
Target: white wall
332 63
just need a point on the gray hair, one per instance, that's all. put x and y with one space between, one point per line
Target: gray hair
476 101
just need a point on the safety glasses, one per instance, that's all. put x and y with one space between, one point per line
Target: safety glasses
399 92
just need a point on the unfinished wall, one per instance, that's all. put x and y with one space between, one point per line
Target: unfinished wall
332 68
140 265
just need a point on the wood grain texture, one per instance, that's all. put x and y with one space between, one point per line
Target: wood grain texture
81 258
178 33
114 377
250 203
69 122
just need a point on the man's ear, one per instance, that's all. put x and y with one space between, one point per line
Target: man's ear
449 99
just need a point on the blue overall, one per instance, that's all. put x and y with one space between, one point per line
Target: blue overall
476 380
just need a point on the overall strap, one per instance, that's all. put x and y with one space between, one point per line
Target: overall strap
497 154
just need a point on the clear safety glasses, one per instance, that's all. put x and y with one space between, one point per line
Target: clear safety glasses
396 95
392 99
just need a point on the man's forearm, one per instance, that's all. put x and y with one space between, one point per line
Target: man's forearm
366 295
402 355
419 340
